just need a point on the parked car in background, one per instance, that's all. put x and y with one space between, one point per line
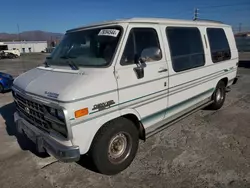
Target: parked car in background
7 53
48 50
6 81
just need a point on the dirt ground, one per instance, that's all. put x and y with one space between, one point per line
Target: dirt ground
207 149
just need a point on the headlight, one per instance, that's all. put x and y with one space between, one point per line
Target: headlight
59 128
60 114
56 120
52 111
57 113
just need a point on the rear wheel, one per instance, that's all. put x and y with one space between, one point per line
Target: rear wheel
115 146
218 96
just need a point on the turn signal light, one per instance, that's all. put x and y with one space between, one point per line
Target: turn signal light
81 112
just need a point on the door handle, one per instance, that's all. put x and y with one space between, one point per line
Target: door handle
163 70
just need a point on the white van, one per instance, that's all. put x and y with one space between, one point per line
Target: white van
106 86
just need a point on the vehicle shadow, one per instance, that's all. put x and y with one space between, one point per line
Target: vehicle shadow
244 64
6 91
87 163
24 142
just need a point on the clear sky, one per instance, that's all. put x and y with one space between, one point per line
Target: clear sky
60 15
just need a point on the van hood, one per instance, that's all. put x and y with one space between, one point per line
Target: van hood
65 85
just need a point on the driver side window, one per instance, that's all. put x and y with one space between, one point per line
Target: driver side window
140 39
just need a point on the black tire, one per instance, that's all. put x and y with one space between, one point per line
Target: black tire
1 88
218 96
108 141
11 56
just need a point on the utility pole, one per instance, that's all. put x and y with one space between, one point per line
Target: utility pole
240 24
19 38
195 14
18 31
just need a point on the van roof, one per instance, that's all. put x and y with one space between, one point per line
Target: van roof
155 21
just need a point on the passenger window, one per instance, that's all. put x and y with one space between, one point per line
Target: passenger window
141 40
186 48
219 47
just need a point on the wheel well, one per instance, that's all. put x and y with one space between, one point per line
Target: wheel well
225 80
138 125
132 118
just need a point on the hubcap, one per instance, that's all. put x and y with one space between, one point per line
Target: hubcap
117 147
219 95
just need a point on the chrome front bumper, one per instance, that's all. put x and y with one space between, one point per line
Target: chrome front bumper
43 141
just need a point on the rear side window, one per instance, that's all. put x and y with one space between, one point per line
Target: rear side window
219 47
138 40
186 48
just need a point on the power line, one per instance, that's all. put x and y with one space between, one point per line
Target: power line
243 9
195 12
182 13
226 5
18 31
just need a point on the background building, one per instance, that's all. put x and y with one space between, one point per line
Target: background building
27 46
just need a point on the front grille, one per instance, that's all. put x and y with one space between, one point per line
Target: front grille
32 112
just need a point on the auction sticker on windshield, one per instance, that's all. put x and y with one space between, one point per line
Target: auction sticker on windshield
109 32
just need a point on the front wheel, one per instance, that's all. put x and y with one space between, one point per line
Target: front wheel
218 96
114 146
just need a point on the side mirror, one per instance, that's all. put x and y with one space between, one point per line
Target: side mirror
151 54
139 71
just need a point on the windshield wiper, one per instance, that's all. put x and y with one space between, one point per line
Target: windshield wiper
67 57
70 63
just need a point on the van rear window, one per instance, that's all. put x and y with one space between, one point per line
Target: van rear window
186 48
219 47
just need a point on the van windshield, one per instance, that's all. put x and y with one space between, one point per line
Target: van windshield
91 47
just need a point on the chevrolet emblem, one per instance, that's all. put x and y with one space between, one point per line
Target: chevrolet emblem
27 110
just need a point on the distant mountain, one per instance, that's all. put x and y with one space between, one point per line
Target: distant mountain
31 36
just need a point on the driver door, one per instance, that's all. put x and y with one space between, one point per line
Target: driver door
146 96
